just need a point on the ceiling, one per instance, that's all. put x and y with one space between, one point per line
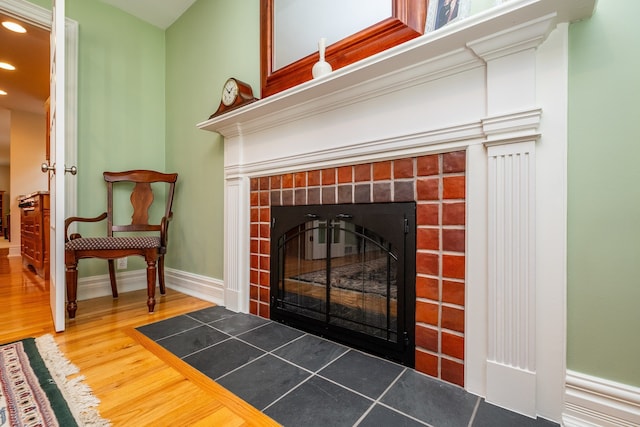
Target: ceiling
28 85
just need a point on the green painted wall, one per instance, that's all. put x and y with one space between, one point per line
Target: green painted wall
211 42
604 194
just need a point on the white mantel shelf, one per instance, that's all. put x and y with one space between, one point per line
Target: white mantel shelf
439 51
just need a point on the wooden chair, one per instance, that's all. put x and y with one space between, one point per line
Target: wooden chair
137 241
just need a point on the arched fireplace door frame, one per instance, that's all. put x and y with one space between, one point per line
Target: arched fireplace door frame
385 226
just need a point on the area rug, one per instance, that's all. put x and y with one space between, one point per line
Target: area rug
35 389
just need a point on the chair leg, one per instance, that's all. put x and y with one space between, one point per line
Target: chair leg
151 284
71 278
112 278
161 275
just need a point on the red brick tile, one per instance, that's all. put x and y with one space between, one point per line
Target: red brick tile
428 165
254 184
345 174
452 372
381 171
403 168
264 263
254 246
427 263
453 292
453 266
427 363
254 231
453 187
264 294
428 238
254 277
453 240
264 278
263 310
254 198
428 214
381 192
254 217
253 307
265 247
287 180
427 338
454 162
403 191
329 176
427 287
264 183
300 179
362 172
275 199
427 313
452 345
453 318
254 261
313 178
265 198
254 292
428 188
265 214
453 213
275 182
265 231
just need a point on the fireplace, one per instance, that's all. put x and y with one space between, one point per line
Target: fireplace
347 272
490 305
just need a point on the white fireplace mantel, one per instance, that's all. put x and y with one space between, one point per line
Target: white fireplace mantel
495 85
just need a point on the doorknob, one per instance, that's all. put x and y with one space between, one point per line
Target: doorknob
46 168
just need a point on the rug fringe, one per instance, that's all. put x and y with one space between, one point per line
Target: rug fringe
78 395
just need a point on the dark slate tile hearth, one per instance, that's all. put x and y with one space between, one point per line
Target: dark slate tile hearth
300 379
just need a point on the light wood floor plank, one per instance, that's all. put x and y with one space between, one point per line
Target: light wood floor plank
137 381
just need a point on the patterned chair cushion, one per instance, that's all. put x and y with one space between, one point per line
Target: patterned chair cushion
93 243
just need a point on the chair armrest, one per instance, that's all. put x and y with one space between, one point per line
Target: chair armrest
164 229
72 219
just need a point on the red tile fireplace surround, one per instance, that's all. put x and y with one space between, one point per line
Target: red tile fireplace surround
437 184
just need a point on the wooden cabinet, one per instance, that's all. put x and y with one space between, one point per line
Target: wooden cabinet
34 232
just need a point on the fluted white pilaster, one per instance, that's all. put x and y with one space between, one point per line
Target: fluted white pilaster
236 248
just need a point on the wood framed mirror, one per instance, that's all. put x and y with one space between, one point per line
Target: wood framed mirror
406 21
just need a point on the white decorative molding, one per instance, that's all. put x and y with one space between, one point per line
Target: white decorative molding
203 287
236 238
591 401
511 356
99 286
196 285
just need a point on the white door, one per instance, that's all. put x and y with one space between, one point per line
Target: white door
57 184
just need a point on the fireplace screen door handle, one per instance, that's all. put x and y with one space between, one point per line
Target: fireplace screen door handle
344 216
311 216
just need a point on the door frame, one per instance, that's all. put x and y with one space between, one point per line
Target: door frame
41 17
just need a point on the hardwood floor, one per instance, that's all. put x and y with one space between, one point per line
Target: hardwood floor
137 382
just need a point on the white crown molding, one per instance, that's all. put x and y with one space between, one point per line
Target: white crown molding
591 401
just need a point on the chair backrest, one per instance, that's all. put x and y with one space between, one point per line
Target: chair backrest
141 198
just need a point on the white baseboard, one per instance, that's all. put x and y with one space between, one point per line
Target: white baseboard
592 401
99 286
203 287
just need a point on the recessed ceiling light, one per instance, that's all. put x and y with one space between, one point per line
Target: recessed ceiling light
6 66
13 26
2 92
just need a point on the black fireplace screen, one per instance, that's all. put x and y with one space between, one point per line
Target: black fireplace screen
347 272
